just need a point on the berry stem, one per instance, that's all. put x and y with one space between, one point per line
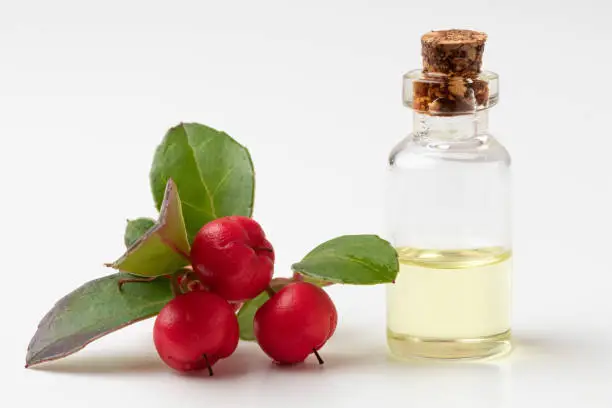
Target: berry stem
122 282
174 284
271 292
188 278
210 370
316 353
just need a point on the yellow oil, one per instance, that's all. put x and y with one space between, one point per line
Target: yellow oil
450 304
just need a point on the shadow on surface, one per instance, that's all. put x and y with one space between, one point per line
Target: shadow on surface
234 366
568 351
123 363
551 344
348 349
103 363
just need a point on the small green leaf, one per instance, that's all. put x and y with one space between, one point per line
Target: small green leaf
213 172
249 308
247 313
136 229
351 259
92 311
163 249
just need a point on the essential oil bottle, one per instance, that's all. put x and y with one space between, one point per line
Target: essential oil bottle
449 210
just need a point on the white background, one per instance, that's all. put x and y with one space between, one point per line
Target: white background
88 89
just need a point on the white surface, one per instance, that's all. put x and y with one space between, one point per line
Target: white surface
88 90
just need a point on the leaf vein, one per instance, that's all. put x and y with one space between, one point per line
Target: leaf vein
210 196
223 179
197 208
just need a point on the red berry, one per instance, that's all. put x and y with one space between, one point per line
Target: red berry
193 331
295 322
233 258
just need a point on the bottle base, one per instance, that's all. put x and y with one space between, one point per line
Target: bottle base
406 347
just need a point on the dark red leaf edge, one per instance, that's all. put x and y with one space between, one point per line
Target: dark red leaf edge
159 228
72 351
85 338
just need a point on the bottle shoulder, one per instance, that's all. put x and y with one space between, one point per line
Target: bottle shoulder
415 150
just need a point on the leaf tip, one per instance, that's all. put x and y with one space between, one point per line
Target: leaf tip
30 360
170 185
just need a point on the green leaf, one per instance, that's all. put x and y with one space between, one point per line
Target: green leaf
214 174
351 259
249 308
92 311
136 229
163 249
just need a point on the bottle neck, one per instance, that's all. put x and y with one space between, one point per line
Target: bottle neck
450 128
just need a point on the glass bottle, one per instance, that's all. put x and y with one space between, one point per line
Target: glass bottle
448 215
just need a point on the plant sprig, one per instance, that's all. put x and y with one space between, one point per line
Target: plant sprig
198 174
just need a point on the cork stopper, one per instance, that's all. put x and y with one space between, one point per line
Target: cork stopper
451 82
453 52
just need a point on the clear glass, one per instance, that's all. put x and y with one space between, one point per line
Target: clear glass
417 75
449 216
